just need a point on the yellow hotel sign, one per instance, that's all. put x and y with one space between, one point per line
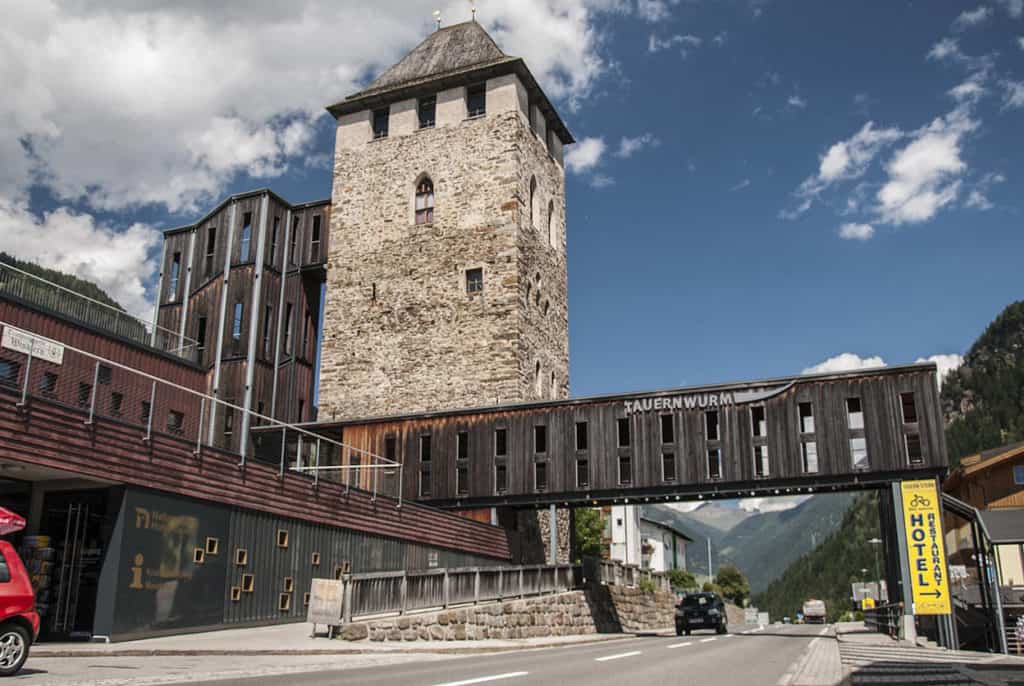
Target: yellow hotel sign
926 552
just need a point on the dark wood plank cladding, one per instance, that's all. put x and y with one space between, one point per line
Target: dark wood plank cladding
53 436
878 390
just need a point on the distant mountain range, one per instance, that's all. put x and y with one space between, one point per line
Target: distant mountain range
761 544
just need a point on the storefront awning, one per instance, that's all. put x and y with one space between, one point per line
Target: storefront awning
1004 526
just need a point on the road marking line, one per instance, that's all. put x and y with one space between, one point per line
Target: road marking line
754 631
823 631
729 636
680 645
707 640
482 679
616 657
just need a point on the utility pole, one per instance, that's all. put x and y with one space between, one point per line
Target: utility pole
711 574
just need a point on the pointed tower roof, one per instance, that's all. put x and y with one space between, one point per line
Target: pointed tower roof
449 57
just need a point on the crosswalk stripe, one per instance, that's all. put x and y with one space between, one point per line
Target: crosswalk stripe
681 645
616 657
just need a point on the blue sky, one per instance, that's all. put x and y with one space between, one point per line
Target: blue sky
732 214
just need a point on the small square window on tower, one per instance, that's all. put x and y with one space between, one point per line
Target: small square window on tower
427 108
380 123
474 280
476 100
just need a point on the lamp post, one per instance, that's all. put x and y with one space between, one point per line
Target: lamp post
875 542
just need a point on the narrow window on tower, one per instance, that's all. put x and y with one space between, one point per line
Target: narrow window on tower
462 480
425 201
476 100
380 123
859 452
293 247
622 429
288 328
236 323
211 248
914 454
427 108
268 316
668 429
474 280
551 214
425 448
172 288
273 241
391 448
533 202
314 241
201 336
246 237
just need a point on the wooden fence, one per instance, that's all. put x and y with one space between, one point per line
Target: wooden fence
615 573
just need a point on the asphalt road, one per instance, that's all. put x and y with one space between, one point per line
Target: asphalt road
760 657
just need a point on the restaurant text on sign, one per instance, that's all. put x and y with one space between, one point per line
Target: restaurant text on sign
925 548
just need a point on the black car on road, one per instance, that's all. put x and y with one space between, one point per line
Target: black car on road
701 611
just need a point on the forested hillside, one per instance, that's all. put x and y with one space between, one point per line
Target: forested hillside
86 288
827 572
983 400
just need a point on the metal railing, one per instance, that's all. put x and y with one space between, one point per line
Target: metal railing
615 573
37 368
884 619
382 593
63 301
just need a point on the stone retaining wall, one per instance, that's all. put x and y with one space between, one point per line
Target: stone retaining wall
639 611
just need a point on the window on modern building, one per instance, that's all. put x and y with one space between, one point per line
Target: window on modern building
268 317
245 240
288 328
806 413
104 374
145 409
380 123
293 240
500 478
211 248
711 425
533 202
581 435
462 445
172 288
854 413
914 453
622 432
809 455
175 422
758 421
859 452
48 384
500 442
9 372
425 482
625 469
668 466
462 480
117 402
229 425
551 214
355 461
391 448
201 334
540 475
258 420
307 329
84 394
582 473
540 439
272 254
474 280
909 407
476 100
236 322
425 201
426 109
760 460
668 428
714 463
1018 474
301 410
425 448
314 240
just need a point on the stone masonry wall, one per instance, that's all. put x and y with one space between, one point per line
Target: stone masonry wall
639 611
564 614
563 522
400 332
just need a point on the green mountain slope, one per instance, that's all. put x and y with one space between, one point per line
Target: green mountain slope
827 572
983 400
86 288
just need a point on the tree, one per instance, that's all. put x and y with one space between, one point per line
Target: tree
589 531
733 584
682 580
709 587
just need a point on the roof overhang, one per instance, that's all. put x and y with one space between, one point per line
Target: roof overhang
1004 526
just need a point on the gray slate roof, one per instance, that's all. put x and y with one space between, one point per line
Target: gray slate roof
448 50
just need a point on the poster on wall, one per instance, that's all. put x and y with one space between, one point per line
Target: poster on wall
173 564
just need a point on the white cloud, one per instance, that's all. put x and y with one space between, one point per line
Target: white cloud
1015 8
652 10
115 259
1020 42
797 102
772 504
1013 98
969 18
845 362
722 38
629 146
970 91
856 232
584 155
923 177
946 363
741 185
602 181
684 42
948 50
978 200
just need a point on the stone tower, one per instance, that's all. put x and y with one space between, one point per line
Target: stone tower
446 280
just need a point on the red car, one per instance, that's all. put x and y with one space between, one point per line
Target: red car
19 622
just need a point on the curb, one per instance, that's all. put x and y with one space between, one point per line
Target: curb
444 648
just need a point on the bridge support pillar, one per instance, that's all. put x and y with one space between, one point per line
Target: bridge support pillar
553 536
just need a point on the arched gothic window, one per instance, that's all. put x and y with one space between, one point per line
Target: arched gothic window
551 215
425 201
534 211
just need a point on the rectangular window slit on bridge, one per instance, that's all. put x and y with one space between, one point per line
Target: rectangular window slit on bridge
500 442
500 478
625 469
760 460
390 448
668 429
909 408
425 484
540 439
668 467
806 418
462 480
462 445
714 463
711 425
623 432
425 448
582 473
809 453
859 452
914 454
581 436
540 474
758 422
84 394
854 413
48 385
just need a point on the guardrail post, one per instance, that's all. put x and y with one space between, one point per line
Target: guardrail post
501 584
476 587
520 582
401 479
199 434
28 373
92 395
316 465
404 592
346 602
284 441
444 589
376 469
152 410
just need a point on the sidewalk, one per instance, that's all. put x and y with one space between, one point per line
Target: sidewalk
294 639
